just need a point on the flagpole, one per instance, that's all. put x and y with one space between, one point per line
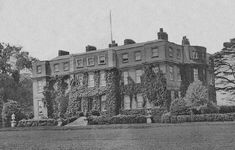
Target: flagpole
111 32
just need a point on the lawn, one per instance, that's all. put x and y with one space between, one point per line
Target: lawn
187 136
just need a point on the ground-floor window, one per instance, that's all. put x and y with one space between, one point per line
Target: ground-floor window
103 102
140 101
127 102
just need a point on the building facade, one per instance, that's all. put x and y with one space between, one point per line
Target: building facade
95 76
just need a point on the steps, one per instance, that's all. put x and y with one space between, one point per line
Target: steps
82 121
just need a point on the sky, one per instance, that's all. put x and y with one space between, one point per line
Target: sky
42 27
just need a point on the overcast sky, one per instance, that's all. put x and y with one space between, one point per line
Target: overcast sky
43 27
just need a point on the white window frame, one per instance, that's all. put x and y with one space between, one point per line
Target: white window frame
171 72
39 69
140 100
40 85
78 65
102 78
103 99
171 52
138 74
195 74
155 52
125 77
125 57
66 66
99 60
127 102
88 62
138 56
91 80
56 68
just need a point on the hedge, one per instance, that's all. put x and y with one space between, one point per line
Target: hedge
119 119
33 123
226 109
168 118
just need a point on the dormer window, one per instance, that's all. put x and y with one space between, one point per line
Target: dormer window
125 58
90 61
101 60
39 69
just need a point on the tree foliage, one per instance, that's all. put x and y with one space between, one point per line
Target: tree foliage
154 85
196 95
224 68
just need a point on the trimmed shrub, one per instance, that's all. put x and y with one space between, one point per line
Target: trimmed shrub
209 108
119 119
166 118
33 123
178 107
95 113
226 109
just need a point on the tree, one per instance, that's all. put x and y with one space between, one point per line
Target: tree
224 68
154 85
196 95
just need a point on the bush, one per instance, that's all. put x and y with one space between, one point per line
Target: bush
178 107
226 109
9 108
209 108
95 113
33 123
119 119
167 118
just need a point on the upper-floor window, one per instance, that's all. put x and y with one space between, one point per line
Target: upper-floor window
138 74
79 62
178 74
178 53
91 81
101 59
125 57
102 79
39 69
79 79
66 66
195 74
90 61
103 102
171 73
194 54
170 52
125 77
39 86
137 56
56 67
155 52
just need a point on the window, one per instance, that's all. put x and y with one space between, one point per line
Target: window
138 74
66 66
140 101
126 102
102 79
134 104
178 53
101 60
172 95
39 69
170 52
155 52
56 67
79 79
194 54
195 74
40 86
90 61
79 63
137 56
178 74
171 73
103 102
148 104
124 58
125 77
91 82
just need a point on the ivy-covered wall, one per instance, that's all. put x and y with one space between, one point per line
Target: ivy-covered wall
81 94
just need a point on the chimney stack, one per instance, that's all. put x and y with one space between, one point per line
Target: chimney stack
162 35
185 41
113 44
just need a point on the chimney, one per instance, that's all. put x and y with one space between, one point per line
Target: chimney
162 35
90 48
62 53
129 41
113 44
185 41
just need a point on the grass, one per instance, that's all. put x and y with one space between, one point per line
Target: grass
187 136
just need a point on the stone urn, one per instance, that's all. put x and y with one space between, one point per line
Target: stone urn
13 122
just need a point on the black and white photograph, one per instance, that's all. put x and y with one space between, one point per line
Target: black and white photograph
117 75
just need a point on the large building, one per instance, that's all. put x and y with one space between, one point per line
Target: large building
95 77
